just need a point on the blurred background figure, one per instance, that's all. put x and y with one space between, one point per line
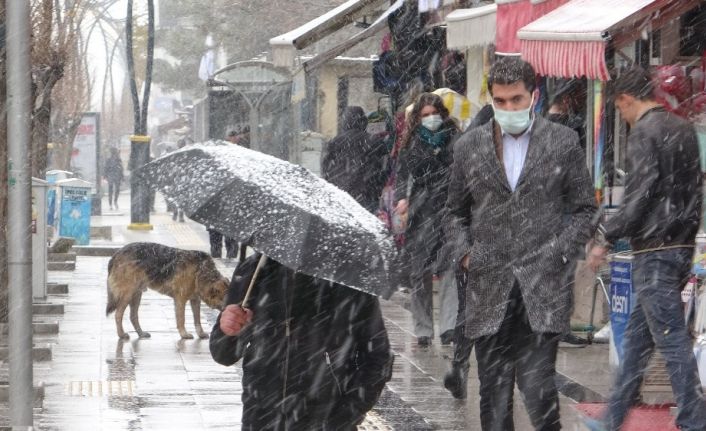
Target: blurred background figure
113 173
355 161
426 154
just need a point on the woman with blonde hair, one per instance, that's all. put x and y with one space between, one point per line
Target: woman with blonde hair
425 158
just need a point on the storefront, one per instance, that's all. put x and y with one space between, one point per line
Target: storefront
596 38
473 32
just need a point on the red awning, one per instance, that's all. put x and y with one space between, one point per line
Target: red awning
571 40
512 15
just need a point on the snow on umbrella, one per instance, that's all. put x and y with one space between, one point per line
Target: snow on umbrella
281 209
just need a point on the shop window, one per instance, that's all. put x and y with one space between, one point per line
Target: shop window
693 28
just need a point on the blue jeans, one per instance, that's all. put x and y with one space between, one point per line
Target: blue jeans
657 320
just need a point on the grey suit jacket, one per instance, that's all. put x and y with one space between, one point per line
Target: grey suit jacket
530 235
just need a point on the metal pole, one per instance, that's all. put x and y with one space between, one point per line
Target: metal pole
19 223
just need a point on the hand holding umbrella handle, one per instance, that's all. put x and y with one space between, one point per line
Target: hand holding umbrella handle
260 264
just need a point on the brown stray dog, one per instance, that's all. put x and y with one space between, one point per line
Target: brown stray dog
184 275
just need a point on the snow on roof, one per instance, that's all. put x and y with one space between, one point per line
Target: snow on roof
322 26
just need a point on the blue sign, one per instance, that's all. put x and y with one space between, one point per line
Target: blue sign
621 298
51 206
75 214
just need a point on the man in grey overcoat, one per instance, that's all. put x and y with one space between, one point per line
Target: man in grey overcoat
512 181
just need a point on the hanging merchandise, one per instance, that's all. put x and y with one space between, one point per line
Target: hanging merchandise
599 131
428 5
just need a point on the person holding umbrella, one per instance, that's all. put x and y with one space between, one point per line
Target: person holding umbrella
315 353
422 181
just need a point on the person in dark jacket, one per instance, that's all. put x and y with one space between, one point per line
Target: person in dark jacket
315 354
421 189
113 173
354 160
456 379
660 215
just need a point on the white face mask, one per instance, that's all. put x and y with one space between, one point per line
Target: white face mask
432 122
514 122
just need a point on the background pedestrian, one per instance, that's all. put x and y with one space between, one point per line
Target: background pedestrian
426 153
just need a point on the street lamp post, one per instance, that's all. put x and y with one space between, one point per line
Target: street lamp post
140 141
19 223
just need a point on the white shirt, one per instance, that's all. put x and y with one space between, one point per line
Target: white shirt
514 155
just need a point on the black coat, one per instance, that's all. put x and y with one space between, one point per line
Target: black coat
355 161
423 179
329 364
663 194
113 169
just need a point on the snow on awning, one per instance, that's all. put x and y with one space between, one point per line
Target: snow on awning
286 44
375 27
571 40
471 27
515 14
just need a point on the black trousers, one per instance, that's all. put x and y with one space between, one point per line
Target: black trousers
516 354
113 192
216 240
462 345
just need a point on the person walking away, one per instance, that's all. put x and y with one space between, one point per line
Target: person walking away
561 112
113 173
216 239
456 379
177 213
511 182
355 161
315 354
426 153
660 216
563 109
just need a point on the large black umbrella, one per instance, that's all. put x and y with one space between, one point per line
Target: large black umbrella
283 210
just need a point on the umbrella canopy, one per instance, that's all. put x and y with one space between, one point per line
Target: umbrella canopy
281 209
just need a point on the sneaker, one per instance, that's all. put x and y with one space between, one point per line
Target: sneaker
571 340
447 337
456 381
424 341
602 336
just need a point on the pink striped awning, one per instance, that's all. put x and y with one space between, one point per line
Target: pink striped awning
571 40
512 15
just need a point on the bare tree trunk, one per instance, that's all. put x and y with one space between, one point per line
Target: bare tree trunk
41 118
148 68
47 73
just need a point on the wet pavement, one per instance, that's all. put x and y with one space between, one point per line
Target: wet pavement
95 381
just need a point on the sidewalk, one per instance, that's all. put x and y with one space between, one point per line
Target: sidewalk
94 381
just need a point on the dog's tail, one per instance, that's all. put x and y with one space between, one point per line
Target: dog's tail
112 301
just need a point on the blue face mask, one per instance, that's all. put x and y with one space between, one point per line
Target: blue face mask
514 122
432 122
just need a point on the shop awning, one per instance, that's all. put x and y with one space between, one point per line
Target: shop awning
571 40
512 15
373 29
471 27
285 45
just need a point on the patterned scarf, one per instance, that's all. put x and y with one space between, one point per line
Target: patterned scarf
436 139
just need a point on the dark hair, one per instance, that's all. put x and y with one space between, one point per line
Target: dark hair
414 119
509 70
636 82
